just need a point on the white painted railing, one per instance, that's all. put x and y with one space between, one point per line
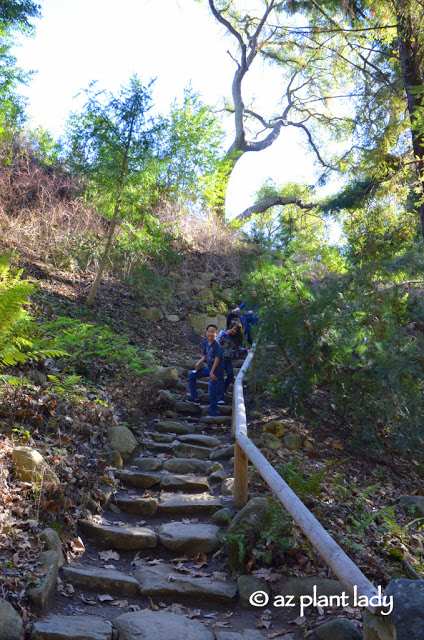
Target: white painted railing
352 579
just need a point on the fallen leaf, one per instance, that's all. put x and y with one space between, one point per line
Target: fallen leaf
109 555
105 598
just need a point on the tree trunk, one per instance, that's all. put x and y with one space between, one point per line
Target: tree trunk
103 261
410 51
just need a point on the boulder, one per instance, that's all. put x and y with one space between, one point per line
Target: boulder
30 466
10 622
205 296
115 459
173 318
271 441
341 628
199 321
122 439
413 505
253 516
223 516
153 314
408 611
246 586
293 441
164 377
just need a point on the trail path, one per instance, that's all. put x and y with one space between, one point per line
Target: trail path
152 568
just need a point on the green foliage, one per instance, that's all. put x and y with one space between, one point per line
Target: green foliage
92 347
302 486
267 547
20 340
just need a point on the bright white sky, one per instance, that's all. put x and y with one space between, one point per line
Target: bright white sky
176 41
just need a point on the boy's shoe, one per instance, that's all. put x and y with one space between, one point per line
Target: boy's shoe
221 402
192 400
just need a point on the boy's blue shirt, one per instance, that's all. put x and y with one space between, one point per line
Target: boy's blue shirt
212 351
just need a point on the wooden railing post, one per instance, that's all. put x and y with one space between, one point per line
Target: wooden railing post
240 477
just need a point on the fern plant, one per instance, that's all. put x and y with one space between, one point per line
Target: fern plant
20 339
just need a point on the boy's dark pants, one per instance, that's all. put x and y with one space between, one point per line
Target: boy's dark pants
216 389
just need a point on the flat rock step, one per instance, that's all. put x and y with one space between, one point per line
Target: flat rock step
181 482
114 537
102 580
187 465
147 464
139 479
200 439
224 410
160 625
138 506
192 451
216 420
182 503
188 408
163 580
189 538
158 447
173 426
73 628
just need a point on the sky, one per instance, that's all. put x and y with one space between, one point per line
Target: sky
175 41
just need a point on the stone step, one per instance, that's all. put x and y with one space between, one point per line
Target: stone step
160 625
223 452
166 438
200 439
158 447
72 628
184 450
164 581
139 479
138 506
173 426
216 420
114 537
181 482
147 464
186 503
188 408
102 580
189 538
187 465
224 410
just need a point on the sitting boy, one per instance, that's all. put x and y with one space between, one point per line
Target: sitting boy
212 355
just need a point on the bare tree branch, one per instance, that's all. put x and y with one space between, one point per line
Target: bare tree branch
263 206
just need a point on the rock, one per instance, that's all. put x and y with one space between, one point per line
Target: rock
185 503
218 475
173 426
164 580
271 441
147 464
246 634
227 294
215 466
174 275
102 580
139 479
52 543
187 465
159 625
205 296
192 451
224 452
159 447
173 415
173 318
275 427
166 377
253 516
121 439
165 397
153 314
207 276
408 611
227 487
298 587
200 439
184 483
10 622
216 419
292 441
72 628
341 628
115 459
114 537
188 408
413 505
42 594
162 437
199 321
189 538
223 516
30 466
138 506
246 586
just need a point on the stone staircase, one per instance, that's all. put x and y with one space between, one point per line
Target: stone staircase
152 567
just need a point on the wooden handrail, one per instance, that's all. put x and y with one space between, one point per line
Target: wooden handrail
346 571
